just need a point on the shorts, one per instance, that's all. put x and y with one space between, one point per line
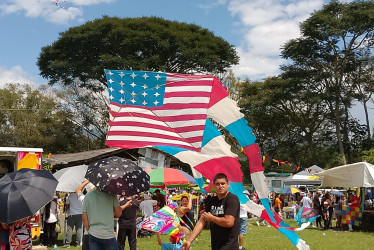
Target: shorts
243 225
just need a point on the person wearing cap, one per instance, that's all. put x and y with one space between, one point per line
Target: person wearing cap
325 215
330 209
175 243
74 204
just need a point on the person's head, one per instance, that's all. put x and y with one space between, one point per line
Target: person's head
184 200
319 193
327 196
174 239
310 195
157 191
278 196
221 184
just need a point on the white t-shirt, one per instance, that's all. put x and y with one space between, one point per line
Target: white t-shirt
147 207
53 212
307 202
243 212
75 203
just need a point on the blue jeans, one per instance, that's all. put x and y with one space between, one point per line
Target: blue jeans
103 244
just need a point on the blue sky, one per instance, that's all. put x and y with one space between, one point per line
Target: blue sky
257 28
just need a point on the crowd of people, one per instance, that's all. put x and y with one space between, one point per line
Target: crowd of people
220 212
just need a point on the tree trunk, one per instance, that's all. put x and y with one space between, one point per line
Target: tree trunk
367 120
339 136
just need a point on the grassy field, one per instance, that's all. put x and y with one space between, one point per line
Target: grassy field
264 237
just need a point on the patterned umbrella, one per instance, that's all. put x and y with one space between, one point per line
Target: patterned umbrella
117 175
24 192
289 190
170 177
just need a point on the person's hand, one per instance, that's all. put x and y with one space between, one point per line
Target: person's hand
129 203
186 245
208 217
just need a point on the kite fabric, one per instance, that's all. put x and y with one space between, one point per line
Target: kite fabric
174 113
164 221
305 217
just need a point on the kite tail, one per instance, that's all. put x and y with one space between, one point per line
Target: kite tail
225 111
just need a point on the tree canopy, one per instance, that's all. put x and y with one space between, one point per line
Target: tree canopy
148 43
34 118
329 53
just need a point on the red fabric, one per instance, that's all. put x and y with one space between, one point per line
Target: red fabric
218 92
254 158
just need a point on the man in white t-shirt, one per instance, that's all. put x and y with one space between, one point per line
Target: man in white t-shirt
74 204
307 201
147 205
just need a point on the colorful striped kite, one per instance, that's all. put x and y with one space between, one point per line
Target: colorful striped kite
164 221
173 113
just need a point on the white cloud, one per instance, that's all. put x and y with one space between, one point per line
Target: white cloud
15 75
267 25
47 9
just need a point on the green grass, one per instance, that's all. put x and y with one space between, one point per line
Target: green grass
264 237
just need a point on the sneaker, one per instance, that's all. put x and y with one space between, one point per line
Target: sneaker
258 223
55 246
66 246
243 248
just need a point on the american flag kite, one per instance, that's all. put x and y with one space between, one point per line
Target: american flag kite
149 108
173 113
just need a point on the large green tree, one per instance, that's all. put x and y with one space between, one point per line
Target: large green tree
34 118
289 121
149 43
328 52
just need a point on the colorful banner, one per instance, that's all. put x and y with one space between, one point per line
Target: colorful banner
286 163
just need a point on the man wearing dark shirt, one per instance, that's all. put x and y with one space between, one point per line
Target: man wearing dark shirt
127 223
222 211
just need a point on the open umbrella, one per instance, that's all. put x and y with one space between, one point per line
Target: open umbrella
337 193
170 177
70 178
179 196
117 175
289 190
24 192
152 190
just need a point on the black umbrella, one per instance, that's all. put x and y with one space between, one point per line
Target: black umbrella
117 175
24 192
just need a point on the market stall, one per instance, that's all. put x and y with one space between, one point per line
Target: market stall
360 175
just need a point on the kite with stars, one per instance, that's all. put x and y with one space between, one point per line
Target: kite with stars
172 112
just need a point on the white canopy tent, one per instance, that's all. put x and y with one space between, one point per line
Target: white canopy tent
305 177
360 174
